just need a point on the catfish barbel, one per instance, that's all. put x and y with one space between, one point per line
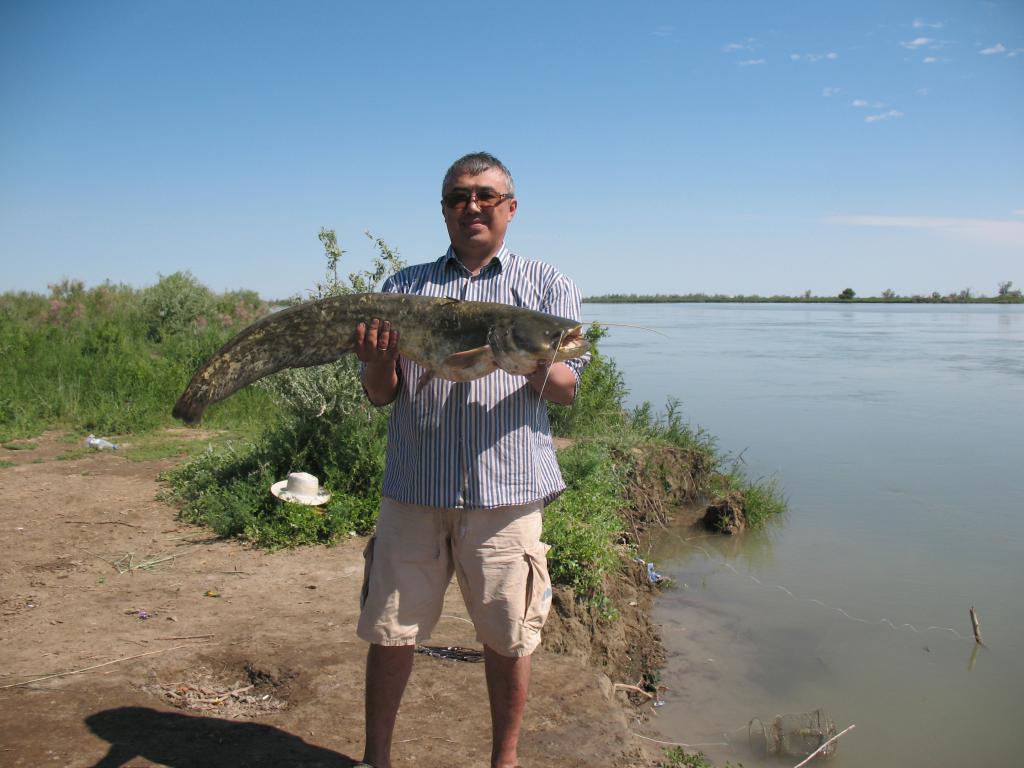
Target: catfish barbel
451 339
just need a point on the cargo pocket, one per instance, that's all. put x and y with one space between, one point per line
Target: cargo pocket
538 587
367 567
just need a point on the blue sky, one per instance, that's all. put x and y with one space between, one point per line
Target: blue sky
657 147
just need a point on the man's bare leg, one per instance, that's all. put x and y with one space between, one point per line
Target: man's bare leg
508 679
387 672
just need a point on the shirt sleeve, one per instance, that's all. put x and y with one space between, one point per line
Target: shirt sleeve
563 299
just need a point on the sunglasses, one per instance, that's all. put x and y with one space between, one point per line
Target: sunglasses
458 199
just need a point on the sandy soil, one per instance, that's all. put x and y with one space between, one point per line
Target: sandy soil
206 653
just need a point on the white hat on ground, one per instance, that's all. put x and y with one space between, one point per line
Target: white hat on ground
300 488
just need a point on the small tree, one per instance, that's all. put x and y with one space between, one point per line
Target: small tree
847 294
888 294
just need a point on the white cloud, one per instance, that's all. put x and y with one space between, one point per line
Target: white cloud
989 230
921 92
916 43
930 60
864 104
1019 212
922 24
997 48
890 115
751 62
733 47
664 31
831 91
813 57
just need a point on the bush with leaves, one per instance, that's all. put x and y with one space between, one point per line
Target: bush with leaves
175 304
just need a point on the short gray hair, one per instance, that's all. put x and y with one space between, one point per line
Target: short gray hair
474 164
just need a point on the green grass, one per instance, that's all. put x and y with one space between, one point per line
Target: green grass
159 445
21 446
583 524
762 498
677 757
4 464
112 359
73 454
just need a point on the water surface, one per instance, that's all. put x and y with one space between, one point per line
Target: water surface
897 433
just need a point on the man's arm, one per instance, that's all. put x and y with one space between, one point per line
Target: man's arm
563 383
377 348
560 385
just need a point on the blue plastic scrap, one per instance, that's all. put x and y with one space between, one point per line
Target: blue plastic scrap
653 576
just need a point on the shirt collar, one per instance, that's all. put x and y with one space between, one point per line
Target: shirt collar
497 262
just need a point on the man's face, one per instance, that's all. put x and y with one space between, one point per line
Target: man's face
476 231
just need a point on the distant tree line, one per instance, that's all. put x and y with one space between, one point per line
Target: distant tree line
1007 294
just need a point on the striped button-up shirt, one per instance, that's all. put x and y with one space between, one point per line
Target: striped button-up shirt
482 443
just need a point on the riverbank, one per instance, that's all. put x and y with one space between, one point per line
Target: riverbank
130 636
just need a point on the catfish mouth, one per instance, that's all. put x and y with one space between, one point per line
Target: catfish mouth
573 344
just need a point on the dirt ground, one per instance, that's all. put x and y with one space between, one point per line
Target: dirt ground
158 644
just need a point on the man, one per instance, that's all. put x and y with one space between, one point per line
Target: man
469 468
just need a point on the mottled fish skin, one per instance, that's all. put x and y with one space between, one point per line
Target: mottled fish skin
451 339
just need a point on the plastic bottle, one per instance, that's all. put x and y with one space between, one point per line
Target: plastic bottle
100 444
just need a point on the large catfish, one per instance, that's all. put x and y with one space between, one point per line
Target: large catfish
451 339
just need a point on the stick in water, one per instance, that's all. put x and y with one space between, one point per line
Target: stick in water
976 624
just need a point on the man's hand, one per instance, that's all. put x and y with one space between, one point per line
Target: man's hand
560 384
377 346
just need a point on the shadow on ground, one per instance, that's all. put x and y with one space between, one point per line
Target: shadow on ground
187 741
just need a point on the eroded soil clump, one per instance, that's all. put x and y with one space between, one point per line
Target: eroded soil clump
661 480
726 515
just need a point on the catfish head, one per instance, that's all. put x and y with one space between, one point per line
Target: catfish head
525 338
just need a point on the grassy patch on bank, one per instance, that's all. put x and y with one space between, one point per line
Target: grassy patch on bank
677 757
762 498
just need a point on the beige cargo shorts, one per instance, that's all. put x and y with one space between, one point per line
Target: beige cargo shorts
496 554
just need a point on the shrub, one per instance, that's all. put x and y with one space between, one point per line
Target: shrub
175 304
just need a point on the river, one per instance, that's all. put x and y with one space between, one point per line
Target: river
897 435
